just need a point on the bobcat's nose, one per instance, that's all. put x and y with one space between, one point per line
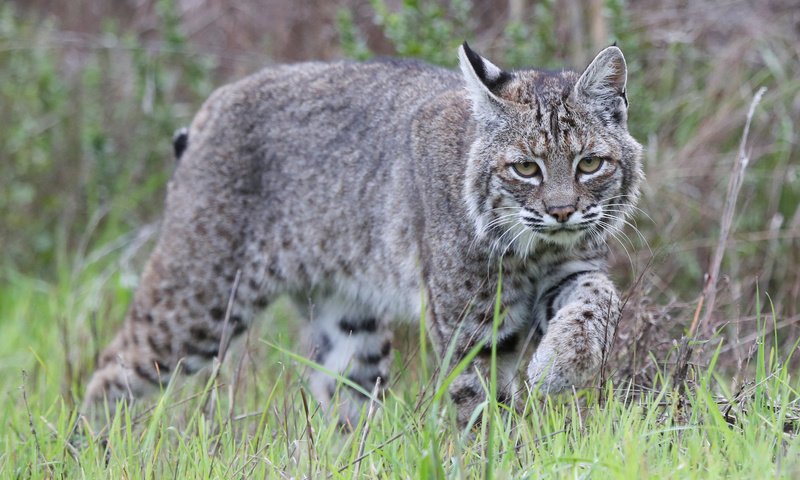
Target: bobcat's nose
561 212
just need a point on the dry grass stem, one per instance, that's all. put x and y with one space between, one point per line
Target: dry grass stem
734 186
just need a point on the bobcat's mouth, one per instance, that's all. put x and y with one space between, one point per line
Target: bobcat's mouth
543 229
566 234
562 234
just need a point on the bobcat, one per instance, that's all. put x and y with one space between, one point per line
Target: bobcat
387 190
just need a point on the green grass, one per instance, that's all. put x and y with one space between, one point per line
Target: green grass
258 419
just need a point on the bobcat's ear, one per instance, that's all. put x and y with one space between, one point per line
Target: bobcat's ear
603 84
484 80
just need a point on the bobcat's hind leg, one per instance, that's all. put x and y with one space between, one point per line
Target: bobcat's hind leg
350 342
170 321
180 310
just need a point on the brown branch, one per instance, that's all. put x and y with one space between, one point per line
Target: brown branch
734 186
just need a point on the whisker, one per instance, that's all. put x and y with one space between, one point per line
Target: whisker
618 231
624 195
630 223
635 229
497 242
528 245
631 206
612 231
497 222
512 241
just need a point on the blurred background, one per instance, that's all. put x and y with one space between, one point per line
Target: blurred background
91 91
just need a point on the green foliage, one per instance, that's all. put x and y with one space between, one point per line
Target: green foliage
94 140
528 42
351 40
428 30
31 94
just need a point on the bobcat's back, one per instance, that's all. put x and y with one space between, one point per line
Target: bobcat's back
326 150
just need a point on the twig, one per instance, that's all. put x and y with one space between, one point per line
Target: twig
310 433
734 185
358 459
370 413
217 364
224 337
69 373
67 445
32 427
224 340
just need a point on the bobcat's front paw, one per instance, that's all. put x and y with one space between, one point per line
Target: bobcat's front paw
571 350
545 374
552 376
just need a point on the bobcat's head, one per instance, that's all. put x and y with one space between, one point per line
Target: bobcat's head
553 160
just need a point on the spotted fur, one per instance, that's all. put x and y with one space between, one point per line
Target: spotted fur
385 190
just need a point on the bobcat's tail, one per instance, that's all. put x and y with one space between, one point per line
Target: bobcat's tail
180 140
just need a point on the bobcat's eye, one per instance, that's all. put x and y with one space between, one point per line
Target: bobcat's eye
526 169
590 164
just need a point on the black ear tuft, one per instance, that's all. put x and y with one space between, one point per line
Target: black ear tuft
476 61
489 75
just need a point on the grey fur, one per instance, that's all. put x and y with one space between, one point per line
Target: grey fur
364 186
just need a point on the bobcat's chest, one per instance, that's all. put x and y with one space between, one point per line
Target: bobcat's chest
526 285
520 296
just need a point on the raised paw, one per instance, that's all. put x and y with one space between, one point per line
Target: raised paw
571 351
